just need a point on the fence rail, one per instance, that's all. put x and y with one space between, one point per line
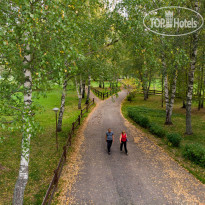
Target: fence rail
57 172
104 95
177 95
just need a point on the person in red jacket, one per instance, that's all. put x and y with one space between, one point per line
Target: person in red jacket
123 141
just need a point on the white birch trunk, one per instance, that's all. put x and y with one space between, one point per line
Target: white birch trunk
166 96
169 99
62 108
79 91
27 130
171 102
191 80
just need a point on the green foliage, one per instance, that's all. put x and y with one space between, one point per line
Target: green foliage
157 130
175 139
139 119
196 153
144 122
131 96
136 113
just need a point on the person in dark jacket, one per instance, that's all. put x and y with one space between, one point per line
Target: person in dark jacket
109 137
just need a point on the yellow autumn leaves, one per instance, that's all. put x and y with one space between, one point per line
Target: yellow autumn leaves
71 6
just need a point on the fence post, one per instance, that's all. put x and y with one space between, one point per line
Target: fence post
64 152
70 137
73 127
87 107
81 113
93 100
79 119
56 177
107 94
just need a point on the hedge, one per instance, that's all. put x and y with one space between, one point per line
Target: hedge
195 153
175 139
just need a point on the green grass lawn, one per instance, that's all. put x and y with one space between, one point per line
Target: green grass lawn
156 114
43 155
96 84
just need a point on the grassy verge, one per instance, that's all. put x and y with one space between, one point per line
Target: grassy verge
43 155
153 111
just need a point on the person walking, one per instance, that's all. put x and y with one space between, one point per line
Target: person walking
109 137
123 141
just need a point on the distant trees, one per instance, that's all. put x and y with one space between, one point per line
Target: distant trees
173 59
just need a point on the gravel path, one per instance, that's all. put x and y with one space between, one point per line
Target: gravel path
146 176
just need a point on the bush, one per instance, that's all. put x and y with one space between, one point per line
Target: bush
157 130
138 118
175 139
144 122
131 96
195 153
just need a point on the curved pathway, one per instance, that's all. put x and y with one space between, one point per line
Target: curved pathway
146 176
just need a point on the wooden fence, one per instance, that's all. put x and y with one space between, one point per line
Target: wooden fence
57 172
104 95
154 92
177 95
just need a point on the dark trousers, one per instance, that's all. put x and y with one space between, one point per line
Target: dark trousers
109 144
125 146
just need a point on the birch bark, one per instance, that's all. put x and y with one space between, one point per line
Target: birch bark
79 91
62 108
191 79
27 132
170 102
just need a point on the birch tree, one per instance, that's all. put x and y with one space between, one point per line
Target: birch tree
79 90
27 133
169 100
62 107
191 77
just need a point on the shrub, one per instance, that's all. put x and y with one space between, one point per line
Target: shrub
175 139
195 153
131 96
138 118
144 122
157 130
